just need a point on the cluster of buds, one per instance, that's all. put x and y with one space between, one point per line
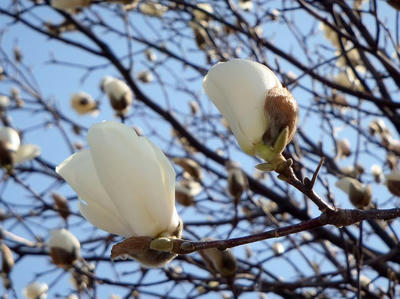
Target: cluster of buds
119 94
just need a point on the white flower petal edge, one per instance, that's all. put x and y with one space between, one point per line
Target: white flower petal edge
238 88
79 171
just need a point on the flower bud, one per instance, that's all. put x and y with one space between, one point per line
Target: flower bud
278 248
35 290
138 248
64 248
145 76
201 16
7 264
17 54
83 103
61 204
119 94
194 107
237 180
393 182
150 55
246 5
69 4
377 173
191 167
343 148
4 102
220 261
186 191
377 126
258 109
359 194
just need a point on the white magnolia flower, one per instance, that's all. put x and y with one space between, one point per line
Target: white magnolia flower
125 182
359 194
11 150
343 148
118 92
83 103
69 4
275 14
252 100
393 182
35 290
64 247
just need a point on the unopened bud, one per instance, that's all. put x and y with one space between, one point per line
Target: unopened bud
237 181
61 204
150 55
35 290
393 182
190 166
220 261
343 148
7 259
278 248
64 248
376 171
194 107
119 94
186 191
83 103
145 76
359 194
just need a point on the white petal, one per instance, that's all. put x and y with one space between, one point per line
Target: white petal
131 175
27 152
80 173
238 88
103 219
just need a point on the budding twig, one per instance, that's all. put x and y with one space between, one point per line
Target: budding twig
339 218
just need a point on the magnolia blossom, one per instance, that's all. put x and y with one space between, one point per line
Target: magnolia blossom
246 5
118 92
219 261
237 180
150 55
11 150
343 148
125 182
64 247
83 103
359 194
253 101
393 182
35 290
376 171
69 4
